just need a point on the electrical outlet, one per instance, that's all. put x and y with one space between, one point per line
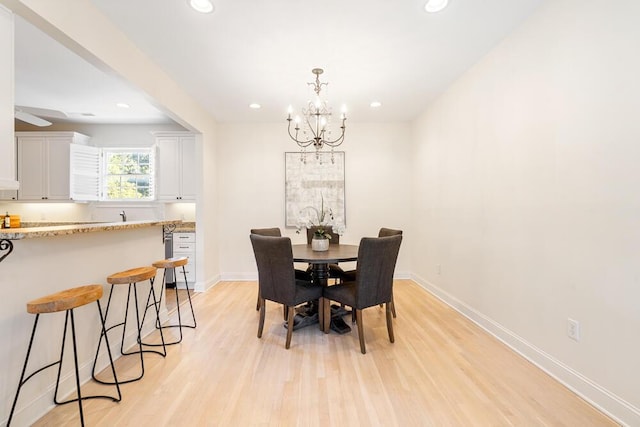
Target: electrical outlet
573 329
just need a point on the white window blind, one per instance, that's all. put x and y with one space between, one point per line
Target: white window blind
84 179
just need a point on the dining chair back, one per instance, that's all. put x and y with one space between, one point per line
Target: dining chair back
377 258
385 232
373 285
277 281
273 231
350 275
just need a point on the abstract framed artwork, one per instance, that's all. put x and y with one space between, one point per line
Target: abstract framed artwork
312 180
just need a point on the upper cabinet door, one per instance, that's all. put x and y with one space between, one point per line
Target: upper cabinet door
58 168
189 175
176 168
32 168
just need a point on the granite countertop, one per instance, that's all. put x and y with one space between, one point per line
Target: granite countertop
185 227
74 228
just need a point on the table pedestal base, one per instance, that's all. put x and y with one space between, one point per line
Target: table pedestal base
307 315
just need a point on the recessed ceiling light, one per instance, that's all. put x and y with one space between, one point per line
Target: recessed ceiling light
375 104
255 106
122 105
202 6
433 6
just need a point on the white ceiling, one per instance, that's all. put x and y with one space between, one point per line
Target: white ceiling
263 51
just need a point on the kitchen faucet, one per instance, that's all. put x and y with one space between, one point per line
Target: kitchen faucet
124 216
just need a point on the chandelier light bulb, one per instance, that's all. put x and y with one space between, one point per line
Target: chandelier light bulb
202 6
433 6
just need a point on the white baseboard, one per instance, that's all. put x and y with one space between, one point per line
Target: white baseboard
239 277
203 286
607 402
253 277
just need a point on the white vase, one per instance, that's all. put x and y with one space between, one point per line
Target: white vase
319 244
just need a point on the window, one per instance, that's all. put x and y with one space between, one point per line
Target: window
128 174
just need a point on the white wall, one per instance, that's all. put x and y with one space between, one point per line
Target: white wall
7 166
526 194
251 176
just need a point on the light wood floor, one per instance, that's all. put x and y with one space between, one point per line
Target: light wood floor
442 371
170 295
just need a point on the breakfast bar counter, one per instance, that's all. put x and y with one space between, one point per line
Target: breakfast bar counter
51 258
74 228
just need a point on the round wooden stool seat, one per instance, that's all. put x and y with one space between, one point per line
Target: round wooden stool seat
132 276
171 262
65 300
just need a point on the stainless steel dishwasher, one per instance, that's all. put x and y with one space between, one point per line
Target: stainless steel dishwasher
168 253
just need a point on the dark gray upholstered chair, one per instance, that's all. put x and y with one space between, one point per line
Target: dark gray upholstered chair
376 263
350 275
335 272
277 281
275 232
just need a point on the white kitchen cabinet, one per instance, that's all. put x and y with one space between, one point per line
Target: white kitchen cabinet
8 194
8 183
176 166
43 164
184 245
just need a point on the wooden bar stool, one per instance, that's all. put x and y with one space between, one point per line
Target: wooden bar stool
174 263
66 301
131 278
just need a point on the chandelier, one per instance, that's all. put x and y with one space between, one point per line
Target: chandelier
314 126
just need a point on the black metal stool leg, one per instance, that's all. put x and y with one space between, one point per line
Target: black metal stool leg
193 313
113 367
68 315
24 370
156 305
180 325
124 331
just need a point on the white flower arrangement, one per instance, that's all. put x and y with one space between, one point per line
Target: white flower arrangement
322 218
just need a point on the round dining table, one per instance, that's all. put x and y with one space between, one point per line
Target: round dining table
320 261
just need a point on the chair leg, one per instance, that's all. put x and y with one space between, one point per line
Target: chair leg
360 331
393 307
261 303
291 313
388 309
